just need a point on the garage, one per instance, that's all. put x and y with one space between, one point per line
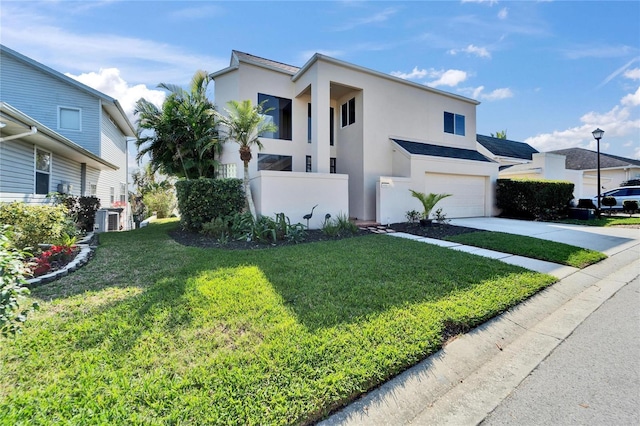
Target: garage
468 193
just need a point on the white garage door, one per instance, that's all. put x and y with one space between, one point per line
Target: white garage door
468 194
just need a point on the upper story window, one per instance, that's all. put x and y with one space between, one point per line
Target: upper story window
348 113
280 114
69 118
43 171
454 123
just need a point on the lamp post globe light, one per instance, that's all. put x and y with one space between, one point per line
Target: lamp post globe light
597 135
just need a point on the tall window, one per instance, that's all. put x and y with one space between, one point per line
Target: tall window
123 193
93 190
309 123
280 115
112 195
308 167
454 123
43 171
332 165
274 162
331 122
348 113
69 118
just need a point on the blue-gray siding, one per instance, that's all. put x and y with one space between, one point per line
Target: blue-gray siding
39 94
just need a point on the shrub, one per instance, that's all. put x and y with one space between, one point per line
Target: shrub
201 200
630 206
412 216
82 210
12 285
160 200
533 199
36 224
339 227
216 227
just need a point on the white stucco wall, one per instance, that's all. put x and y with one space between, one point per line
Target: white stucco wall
295 194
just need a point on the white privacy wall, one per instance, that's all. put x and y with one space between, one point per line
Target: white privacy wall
295 193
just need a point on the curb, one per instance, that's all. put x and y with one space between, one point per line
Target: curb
87 247
463 382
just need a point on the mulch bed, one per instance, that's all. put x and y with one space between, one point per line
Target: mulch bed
195 239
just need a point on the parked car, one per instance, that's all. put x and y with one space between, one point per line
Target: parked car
621 195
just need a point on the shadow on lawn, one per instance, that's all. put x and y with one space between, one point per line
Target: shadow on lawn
322 284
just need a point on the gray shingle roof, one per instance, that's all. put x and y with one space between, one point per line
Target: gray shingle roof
507 148
290 69
584 159
420 148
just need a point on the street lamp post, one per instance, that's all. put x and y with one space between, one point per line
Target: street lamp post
597 134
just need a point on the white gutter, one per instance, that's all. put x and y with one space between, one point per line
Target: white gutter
33 131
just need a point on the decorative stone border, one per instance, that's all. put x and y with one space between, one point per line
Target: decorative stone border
87 246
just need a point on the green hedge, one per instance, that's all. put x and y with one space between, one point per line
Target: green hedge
36 224
533 199
202 200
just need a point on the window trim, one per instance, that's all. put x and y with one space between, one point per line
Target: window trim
44 172
263 155
278 110
79 110
456 118
348 113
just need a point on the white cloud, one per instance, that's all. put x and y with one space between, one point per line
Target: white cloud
503 13
415 74
495 95
636 153
481 52
632 74
632 99
489 2
449 78
109 82
27 29
617 123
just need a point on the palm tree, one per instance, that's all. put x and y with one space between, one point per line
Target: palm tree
184 140
245 122
428 201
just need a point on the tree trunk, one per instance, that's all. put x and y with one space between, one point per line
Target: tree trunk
247 192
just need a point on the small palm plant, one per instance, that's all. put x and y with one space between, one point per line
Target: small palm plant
428 201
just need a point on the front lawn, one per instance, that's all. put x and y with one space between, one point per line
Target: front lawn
535 248
605 221
152 332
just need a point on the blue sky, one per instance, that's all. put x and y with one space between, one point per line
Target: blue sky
547 72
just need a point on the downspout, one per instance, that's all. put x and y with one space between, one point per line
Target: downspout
33 131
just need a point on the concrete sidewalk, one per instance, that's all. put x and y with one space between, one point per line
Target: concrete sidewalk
469 377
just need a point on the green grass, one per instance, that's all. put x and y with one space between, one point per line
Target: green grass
535 248
152 332
604 221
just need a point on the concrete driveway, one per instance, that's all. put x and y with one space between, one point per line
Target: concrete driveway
609 240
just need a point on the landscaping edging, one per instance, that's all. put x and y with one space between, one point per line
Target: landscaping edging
87 246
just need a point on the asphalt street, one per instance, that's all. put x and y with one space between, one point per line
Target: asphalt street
592 378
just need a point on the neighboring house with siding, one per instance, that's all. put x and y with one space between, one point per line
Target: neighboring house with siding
354 141
59 135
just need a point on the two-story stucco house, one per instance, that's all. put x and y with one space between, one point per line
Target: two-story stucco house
354 141
59 135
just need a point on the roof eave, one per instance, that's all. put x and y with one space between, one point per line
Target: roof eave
318 56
